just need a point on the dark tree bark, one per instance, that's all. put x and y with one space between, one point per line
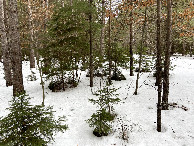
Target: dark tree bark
109 44
32 54
102 30
167 57
16 54
141 51
159 66
131 42
5 43
190 49
172 49
183 50
91 47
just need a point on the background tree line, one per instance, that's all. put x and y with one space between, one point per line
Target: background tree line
62 36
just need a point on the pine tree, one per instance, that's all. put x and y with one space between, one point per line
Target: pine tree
101 119
67 37
27 124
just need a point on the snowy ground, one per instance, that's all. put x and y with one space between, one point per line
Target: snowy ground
136 111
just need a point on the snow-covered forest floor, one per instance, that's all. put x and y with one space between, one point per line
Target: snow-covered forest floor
136 112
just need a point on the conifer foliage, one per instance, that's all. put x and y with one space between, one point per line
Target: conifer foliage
105 114
66 39
27 124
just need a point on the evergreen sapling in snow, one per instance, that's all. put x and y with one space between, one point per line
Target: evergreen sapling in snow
101 120
29 125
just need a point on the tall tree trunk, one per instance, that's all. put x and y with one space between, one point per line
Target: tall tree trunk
41 80
45 5
102 30
172 49
183 50
91 49
131 42
141 51
4 43
32 54
16 54
109 44
190 49
159 66
167 57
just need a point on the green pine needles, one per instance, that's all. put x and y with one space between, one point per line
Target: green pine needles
66 41
29 125
105 114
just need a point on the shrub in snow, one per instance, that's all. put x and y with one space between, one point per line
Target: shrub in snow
147 64
29 125
143 69
99 72
101 120
55 86
72 83
32 77
117 75
60 85
125 128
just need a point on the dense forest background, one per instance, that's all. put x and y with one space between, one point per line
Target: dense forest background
61 38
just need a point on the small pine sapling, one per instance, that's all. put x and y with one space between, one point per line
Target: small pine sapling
102 118
106 99
29 125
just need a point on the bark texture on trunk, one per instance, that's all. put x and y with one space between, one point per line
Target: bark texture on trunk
103 28
159 66
5 43
109 45
131 42
16 54
141 50
167 57
183 50
91 48
32 54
